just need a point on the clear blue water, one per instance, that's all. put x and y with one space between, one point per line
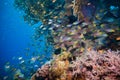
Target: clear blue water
15 36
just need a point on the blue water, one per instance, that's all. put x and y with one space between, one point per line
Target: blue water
15 35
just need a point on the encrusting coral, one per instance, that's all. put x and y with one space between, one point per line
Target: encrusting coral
90 66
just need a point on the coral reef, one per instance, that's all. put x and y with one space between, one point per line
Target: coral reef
97 21
77 8
40 10
92 65
81 32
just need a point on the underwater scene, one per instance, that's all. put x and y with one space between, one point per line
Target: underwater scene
60 40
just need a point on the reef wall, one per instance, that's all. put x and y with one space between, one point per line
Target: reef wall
82 32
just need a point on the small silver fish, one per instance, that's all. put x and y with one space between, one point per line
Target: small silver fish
7 66
110 30
20 58
44 28
69 25
56 25
41 26
50 22
21 62
84 24
76 23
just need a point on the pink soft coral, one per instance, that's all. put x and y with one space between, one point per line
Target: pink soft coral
91 65
96 66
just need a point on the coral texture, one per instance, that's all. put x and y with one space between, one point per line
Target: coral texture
92 65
